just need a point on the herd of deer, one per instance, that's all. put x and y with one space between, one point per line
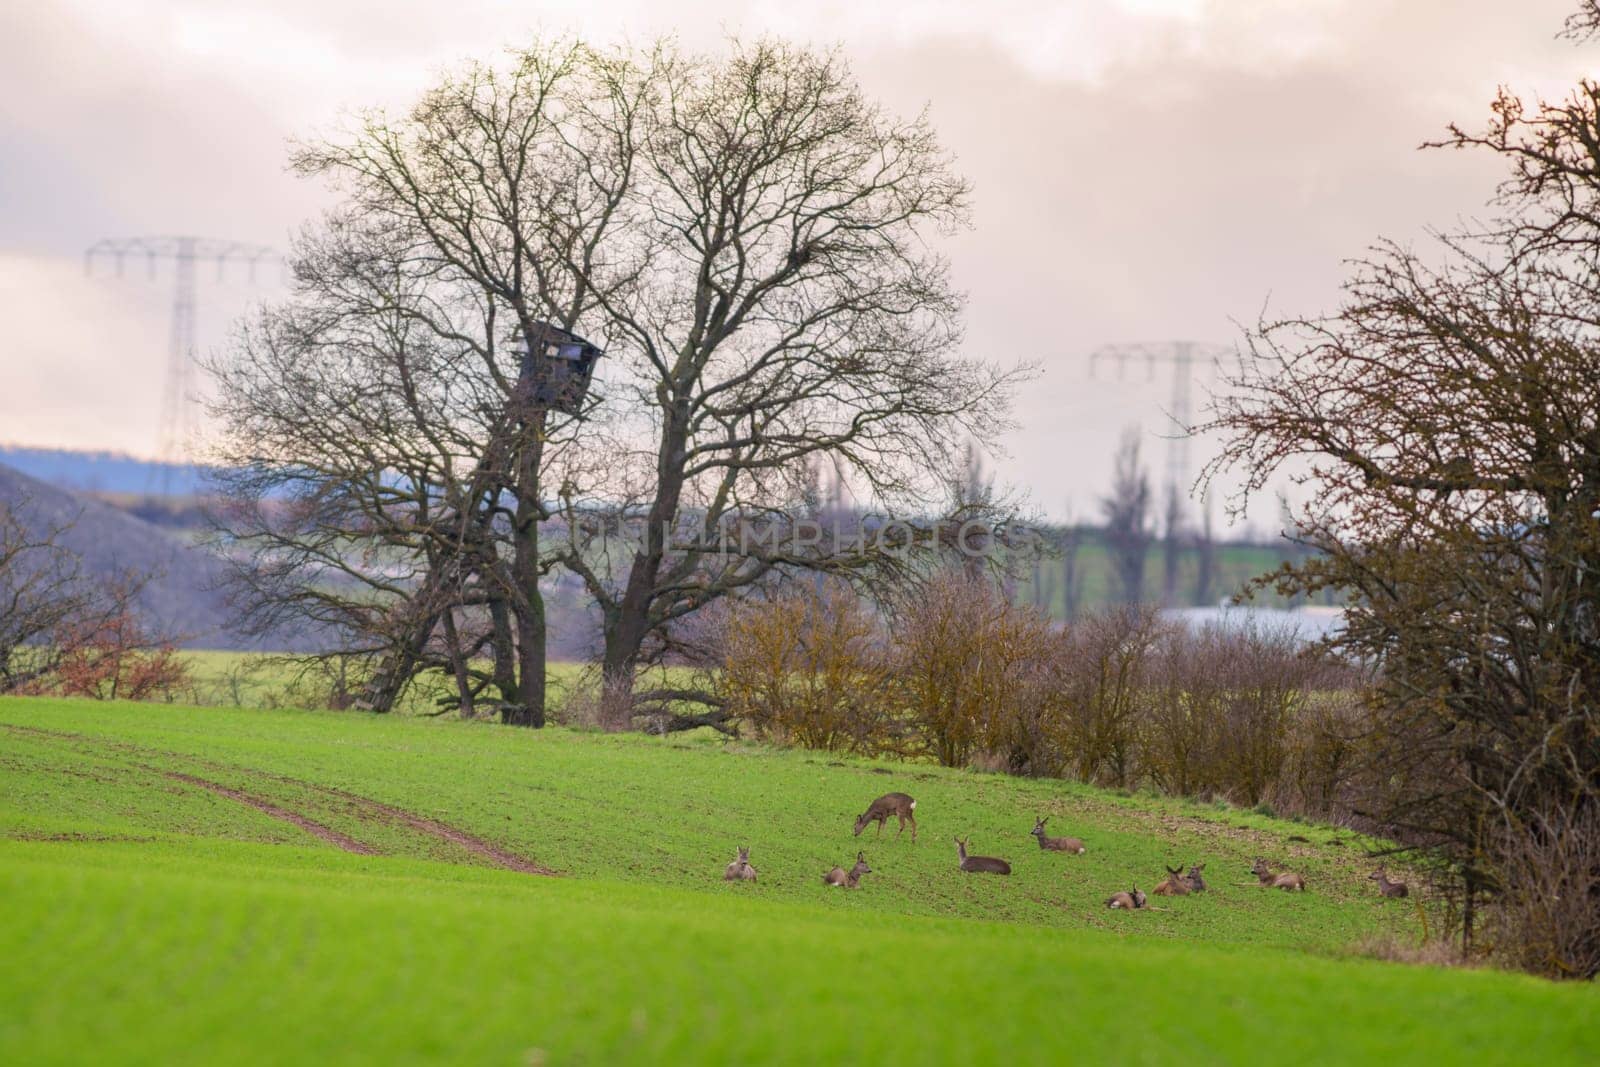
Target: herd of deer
1178 883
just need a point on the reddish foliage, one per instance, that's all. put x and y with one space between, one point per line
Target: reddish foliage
117 658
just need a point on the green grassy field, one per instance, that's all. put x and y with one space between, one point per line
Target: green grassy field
202 886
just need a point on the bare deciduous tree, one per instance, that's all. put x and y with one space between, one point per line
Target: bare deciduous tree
747 237
53 615
1451 416
793 312
1127 530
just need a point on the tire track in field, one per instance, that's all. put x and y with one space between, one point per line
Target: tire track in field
442 831
361 808
267 807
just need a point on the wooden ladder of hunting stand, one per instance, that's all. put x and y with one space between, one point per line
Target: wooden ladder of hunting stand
554 373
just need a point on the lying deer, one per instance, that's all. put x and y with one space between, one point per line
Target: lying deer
885 806
1386 887
1131 901
1268 880
1197 884
1174 885
851 878
1055 844
980 864
740 870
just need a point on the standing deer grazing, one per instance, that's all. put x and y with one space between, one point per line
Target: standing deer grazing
1130 901
1267 879
1174 885
1197 884
1055 844
1386 887
851 878
885 806
740 870
980 864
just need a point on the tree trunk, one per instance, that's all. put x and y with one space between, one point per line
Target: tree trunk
504 645
529 605
630 625
458 664
383 689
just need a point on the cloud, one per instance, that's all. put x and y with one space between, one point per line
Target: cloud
1145 169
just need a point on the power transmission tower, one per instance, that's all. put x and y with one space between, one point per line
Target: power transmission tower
1187 359
177 410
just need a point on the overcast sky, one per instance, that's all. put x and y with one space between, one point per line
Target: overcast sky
1144 169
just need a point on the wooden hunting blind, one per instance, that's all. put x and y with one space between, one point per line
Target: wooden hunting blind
556 367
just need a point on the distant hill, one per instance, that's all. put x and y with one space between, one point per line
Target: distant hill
104 472
183 598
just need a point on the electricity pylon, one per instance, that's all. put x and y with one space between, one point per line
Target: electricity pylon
1187 359
177 409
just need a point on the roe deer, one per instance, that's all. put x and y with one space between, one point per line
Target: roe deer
980 864
1130 901
1197 884
1174 885
740 870
851 878
885 806
1276 881
1055 844
1386 887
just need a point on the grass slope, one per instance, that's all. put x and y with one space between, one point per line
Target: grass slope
183 886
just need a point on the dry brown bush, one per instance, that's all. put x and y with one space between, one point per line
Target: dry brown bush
955 671
1179 737
1329 744
1266 678
1105 668
117 658
1396 948
1547 917
807 667
582 705
965 661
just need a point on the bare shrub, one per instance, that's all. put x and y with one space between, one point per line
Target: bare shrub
1329 742
1547 917
1266 674
116 658
324 682
807 667
1180 735
1031 733
1105 666
965 660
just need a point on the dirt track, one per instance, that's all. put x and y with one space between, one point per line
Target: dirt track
360 808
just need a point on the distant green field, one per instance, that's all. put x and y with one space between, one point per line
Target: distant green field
260 680
1234 566
186 885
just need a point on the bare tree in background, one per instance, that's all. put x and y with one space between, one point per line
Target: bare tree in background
1172 543
1205 551
41 589
1070 542
1127 513
53 614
